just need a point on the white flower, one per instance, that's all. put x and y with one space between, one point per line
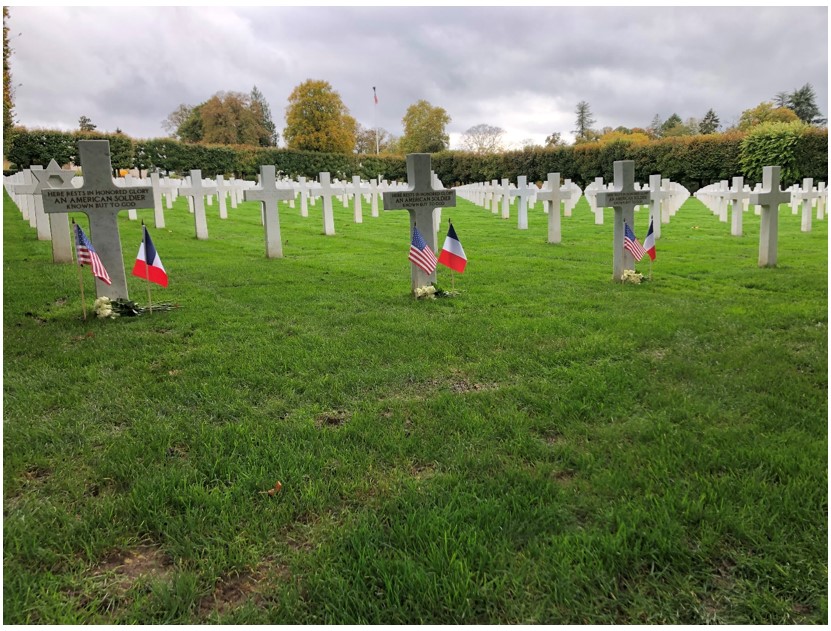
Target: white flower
631 276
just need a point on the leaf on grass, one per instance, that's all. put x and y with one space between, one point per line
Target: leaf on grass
273 491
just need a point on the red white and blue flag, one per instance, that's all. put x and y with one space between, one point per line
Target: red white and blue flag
148 264
420 253
452 254
88 256
649 242
375 94
631 243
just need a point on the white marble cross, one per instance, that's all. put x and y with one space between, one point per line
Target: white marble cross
505 195
623 198
822 195
420 199
304 196
657 198
769 199
37 218
373 190
269 195
552 196
737 195
101 200
808 195
327 192
598 208
221 193
55 177
523 192
197 191
158 209
355 189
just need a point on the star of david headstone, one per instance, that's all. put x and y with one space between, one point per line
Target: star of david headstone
54 177
101 200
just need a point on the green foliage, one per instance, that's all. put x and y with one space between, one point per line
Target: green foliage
262 114
803 103
765 113
317 120
8 94
773 144
583 123
424 129
709 124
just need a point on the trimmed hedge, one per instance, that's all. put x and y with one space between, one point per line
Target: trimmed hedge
694 161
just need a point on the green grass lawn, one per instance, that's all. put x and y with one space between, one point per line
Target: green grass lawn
547 447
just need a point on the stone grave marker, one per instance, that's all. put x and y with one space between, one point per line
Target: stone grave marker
269 195
623 198
54 177
304 196
769 200
552 196
420 199
158 209
129 182
221 194
374 192
101 200
822 195
355 189
37 217
737 195
657 199
808 195
523 192
24 180
196 193
327 192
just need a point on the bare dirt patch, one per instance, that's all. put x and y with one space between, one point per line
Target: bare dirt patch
463 386
332 418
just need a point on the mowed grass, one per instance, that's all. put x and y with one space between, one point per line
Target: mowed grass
547 447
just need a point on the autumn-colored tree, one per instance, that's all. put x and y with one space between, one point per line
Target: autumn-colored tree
365 140
176 119
765 113
554 140
317 120
424 129
623 135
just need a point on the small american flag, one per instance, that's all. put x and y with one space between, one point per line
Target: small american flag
420 253
630 242
87 255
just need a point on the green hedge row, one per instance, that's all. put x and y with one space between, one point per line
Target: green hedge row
694 161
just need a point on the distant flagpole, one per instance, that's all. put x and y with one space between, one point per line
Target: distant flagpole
375 118
80 274
146 267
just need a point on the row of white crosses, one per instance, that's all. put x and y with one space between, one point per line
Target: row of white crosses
665 198
717 196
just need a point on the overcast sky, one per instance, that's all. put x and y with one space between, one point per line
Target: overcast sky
522 69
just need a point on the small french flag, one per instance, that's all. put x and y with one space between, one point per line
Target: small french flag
452 254
148 264
649 242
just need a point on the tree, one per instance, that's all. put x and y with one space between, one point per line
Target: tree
803 103
782 99
176 119
8 95
262 112
673 121
655 126
424 129
709 124
365 140
584 122
765 113
483 138
190 130
554 140
85 124
317 120
623 136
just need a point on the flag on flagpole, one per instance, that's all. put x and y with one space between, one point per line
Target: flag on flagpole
630 242
420 253
452 254
148 264
375 94
649 242
87 255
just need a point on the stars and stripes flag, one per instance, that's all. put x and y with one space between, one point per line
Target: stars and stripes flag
649 242
420 253
375 95
630 242
452 254
88 256
148 264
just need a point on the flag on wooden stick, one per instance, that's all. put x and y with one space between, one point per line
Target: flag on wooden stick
420 253
88 256
631 243
649 242
148 264
452 254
